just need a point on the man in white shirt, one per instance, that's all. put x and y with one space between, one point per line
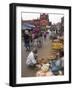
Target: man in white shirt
31 59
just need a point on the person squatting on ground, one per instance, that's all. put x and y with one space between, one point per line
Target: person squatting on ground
32 58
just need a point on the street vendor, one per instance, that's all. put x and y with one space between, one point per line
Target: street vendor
32 58
57 65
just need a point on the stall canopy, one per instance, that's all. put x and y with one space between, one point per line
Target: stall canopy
27 26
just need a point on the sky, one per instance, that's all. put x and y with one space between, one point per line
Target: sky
54 18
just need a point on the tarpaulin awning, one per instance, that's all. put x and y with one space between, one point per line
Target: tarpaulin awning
27 26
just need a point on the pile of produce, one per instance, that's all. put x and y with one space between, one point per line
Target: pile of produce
44 71
57 45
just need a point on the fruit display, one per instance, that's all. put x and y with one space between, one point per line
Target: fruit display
44 71
57 45
45 67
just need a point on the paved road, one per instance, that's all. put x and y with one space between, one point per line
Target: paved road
42 53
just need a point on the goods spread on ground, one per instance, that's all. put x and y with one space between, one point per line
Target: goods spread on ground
58 44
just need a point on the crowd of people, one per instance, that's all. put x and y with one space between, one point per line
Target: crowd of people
34 39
